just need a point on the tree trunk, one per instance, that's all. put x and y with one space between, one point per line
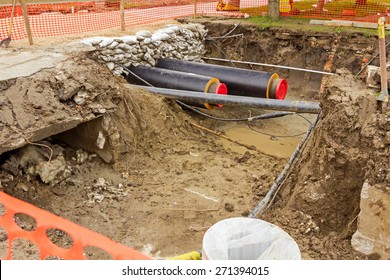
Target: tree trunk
273 9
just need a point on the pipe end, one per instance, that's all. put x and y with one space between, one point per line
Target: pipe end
223 90
279 88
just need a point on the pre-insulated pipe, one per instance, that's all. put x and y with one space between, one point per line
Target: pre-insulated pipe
269 104
239 81
165 78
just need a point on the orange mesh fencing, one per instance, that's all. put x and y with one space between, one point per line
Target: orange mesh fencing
81 238
79 17
59 19
354 10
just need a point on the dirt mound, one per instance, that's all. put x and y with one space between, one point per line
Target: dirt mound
350 146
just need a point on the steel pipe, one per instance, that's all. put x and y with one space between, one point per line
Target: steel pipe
269 104
269 65
164 78
239 81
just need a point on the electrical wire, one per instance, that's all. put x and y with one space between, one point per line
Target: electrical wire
281 136
259 117
276 136
266 202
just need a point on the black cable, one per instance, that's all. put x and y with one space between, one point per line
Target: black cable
273 135
259 117
306 119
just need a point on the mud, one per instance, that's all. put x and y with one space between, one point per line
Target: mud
161 193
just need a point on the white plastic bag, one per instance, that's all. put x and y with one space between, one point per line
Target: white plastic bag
248 239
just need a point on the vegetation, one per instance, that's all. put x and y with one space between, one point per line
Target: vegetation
331 9
265 22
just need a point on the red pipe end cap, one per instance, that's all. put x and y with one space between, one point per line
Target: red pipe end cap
221 89
281 89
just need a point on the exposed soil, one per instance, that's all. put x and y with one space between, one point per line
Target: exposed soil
169 181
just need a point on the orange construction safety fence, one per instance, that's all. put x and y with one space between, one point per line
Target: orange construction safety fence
81 238
53 18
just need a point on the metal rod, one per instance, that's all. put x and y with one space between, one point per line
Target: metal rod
269 65
269 104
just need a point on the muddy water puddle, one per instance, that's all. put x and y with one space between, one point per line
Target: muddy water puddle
271 145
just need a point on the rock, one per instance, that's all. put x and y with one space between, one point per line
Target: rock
148 58
101 140
22 187
113 45
160 37
144 33
60 77
229 207
174 27
125 47
82 156
147 41
80 98
52 172
110 65
105 42
129 40
97 108
144 48
119 51
92 41
70 89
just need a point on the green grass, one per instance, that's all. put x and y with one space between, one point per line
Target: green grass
333 9
264 22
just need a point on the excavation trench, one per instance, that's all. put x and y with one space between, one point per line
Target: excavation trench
168 178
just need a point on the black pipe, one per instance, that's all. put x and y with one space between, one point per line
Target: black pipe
165 78
269 104
239 81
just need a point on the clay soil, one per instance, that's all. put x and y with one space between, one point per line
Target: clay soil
171 181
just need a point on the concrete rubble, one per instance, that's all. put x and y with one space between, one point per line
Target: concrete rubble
145 48
373 233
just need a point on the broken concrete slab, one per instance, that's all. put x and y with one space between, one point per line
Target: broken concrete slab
23 64
38 103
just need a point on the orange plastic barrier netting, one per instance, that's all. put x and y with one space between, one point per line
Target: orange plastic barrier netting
355 10
59 19
81 237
